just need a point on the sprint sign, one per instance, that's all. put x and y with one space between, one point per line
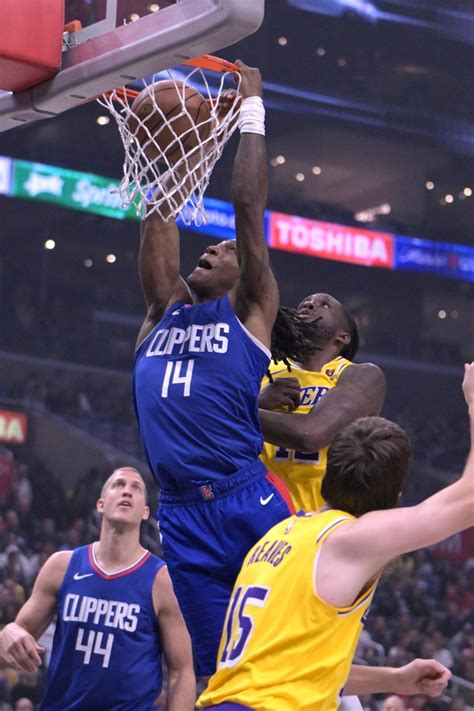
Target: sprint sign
330 241
13 427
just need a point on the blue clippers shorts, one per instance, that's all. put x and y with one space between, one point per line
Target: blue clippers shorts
206 534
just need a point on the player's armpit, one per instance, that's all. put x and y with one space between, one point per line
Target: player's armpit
156 311
176 645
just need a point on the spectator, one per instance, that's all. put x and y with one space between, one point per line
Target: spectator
29 686
393 703
24 704
6 474
457 704
441 652
464 639
16 565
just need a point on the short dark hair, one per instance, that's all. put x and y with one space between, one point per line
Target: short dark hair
367 466
350 349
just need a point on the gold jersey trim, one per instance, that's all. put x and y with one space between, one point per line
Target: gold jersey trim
362 597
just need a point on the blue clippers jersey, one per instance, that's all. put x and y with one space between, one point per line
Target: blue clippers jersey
106 650
196 384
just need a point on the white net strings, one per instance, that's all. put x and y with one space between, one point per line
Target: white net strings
173 188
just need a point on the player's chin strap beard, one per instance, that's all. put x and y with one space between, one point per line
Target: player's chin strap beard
313 329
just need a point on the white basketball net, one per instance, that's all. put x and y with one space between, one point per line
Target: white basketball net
173 188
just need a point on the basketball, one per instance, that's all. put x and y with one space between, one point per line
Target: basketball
176 117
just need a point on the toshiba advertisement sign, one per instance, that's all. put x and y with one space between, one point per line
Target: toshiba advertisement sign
330 241
13 427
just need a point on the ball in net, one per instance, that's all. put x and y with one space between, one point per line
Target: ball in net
169 118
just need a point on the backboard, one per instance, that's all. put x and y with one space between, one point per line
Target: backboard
121 41
100 16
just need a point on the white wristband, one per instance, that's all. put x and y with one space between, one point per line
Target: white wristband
252 116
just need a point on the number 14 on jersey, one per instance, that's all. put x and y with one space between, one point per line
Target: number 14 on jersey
174 376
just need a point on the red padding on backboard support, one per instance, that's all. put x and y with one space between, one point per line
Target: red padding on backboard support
31 34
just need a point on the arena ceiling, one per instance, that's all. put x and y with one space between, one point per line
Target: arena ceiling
370 111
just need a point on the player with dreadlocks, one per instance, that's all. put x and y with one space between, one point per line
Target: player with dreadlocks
291 339
316 343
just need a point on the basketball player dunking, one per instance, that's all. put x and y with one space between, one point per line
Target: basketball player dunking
116 611
201 355
304 591
326 387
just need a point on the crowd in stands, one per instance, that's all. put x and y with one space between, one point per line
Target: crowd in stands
101 329
424 605
101 404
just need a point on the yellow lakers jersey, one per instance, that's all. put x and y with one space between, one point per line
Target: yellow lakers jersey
303 472
283 648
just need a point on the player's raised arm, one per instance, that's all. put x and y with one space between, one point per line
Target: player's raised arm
159 265
18 639
176 645
255 298
360 392
357 552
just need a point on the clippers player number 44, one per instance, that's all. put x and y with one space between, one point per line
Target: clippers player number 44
116 612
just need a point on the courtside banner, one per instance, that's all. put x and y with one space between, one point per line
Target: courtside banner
330 241
13 427
69 188
341 243
450 260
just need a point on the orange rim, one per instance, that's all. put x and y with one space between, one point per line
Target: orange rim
216 64
122 93
205 61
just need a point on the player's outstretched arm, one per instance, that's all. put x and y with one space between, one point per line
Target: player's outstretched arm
255 298
356 552
158 264
421 676
18 639
176 645
360 392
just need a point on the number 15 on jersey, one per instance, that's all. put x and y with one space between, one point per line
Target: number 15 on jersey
239 624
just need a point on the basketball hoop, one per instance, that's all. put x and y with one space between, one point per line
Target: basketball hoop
172 142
